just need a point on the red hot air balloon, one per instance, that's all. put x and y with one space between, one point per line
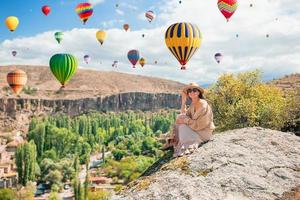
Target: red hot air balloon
227 7
46 10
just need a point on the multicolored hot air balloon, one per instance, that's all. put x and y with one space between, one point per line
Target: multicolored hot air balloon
183 40
46 10
14 53
101 36
58 36
63 67
150 15
84 11
133 57
218 57
87 59
16 80
142 62
12 23
126 27
227 7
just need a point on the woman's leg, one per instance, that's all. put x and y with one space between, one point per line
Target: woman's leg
188 140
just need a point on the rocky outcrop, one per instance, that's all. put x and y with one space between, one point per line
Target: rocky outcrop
243 164
15 111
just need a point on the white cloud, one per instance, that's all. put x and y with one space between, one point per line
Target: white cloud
119 12
276 56
95 2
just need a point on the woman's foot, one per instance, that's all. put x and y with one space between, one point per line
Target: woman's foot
167 145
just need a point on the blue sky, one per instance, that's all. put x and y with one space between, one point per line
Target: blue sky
63 16
276 56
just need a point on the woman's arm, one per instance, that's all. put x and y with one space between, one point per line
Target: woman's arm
183 103
202 120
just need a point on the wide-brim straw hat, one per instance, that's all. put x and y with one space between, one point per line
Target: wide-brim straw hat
193 85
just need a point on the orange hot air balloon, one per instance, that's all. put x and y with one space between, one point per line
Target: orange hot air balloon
126 27
16 80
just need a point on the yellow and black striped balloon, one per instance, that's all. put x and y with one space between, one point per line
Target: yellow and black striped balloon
183 40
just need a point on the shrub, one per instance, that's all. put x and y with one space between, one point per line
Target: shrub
245 101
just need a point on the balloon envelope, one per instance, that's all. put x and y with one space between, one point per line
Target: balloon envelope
101 36
14 53
12 23
63 67
126 27
87 59
142 62
58 36
133 57
16 80
46 10
227 7
183 40
84 11
150 15
218 57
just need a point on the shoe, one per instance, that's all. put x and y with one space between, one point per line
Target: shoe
166 146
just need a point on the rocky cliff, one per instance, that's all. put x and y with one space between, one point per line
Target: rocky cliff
15 113
243 164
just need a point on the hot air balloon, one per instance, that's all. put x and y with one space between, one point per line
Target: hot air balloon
183 40
87 59
46 10
227 7
133 56
12 23
101 36
14 53
16 80
142 62
84 11
63 67
150 15
126 27
115 64
218 57
58 36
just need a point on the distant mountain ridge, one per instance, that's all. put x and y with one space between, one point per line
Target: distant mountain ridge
87 83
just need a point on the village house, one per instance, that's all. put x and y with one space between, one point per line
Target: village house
8 175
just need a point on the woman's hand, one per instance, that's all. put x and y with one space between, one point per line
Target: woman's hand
180 120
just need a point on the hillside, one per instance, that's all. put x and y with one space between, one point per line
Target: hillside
288 82
244 164
88 83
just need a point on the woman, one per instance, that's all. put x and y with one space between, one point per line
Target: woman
194 125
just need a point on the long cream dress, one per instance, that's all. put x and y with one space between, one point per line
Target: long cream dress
197 128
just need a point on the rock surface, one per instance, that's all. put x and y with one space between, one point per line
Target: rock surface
242 164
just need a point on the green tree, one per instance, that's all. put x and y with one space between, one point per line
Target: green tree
244 101
54 177
118 154
54 196
7 194
26 162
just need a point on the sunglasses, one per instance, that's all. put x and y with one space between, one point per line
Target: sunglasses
192 90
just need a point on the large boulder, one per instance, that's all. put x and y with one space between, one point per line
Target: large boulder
250 163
